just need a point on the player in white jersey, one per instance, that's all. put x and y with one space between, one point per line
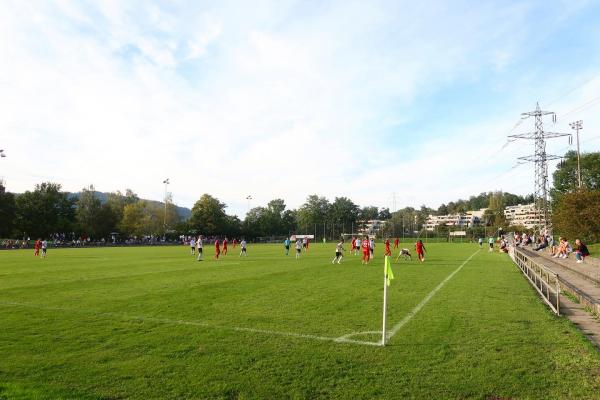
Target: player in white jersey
298 248
192 245
199 247
243 248
372 247
44 248
338 252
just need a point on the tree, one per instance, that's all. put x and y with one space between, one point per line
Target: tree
369 213
44 211
565 176
7 212
88 212
343 211
384 214
141 219
442 210
209 217
578 215
313 212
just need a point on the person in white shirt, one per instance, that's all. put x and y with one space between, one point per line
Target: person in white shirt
305 244
338 252
192 245
372 247
298 248
44 248
199 247
243 248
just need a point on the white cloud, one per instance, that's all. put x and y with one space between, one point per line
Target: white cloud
273 100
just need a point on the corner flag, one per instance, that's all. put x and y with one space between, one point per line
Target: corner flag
389 274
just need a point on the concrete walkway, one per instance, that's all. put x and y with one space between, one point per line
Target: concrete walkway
583 281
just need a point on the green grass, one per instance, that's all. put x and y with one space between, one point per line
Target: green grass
153 323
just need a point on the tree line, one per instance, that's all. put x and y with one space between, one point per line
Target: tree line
47 210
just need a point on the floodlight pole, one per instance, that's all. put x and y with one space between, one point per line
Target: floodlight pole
577 125
166 182
249 197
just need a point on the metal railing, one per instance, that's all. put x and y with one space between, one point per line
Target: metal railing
544 280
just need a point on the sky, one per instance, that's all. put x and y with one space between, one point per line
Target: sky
375 101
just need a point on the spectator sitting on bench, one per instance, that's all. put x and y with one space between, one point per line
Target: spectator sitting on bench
542 243
581 251
564 248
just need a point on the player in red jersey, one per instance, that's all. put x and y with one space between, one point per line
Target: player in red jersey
396 242
234 243
217 249
366 248
353 245
36 247
420 247
224 246
388 252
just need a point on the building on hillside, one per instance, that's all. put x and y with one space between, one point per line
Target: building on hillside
466 220
371 227
523 215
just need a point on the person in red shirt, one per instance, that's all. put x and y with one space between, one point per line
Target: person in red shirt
217 249
396 242
353 245
224 246
366 250
388 252
420 248
234 243
36 247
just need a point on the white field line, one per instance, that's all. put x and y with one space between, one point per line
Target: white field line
178 322
419 306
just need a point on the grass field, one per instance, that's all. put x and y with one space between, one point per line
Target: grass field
154 323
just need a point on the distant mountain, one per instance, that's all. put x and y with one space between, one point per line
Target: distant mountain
183 212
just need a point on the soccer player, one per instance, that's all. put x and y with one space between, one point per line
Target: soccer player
366 250
420 248
234 243
372 247
357 244
225 246
217 249
199 247
44 248
396 243
243 248
192 245
286 244
388 252
338 252
36 247
353 243
480 241
298 248
491 243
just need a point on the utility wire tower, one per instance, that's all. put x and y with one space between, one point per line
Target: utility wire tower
540 159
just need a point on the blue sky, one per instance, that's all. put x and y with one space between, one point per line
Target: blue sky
287 98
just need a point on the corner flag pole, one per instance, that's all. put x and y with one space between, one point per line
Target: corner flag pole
385 285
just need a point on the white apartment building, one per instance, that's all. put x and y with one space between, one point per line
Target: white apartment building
466 220
524 215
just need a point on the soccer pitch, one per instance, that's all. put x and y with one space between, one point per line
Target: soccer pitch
151 322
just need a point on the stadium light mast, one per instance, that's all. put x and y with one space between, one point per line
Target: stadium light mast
249 197
166 182
577 125
540 159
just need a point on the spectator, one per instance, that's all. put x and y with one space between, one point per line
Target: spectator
542 243
581 251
